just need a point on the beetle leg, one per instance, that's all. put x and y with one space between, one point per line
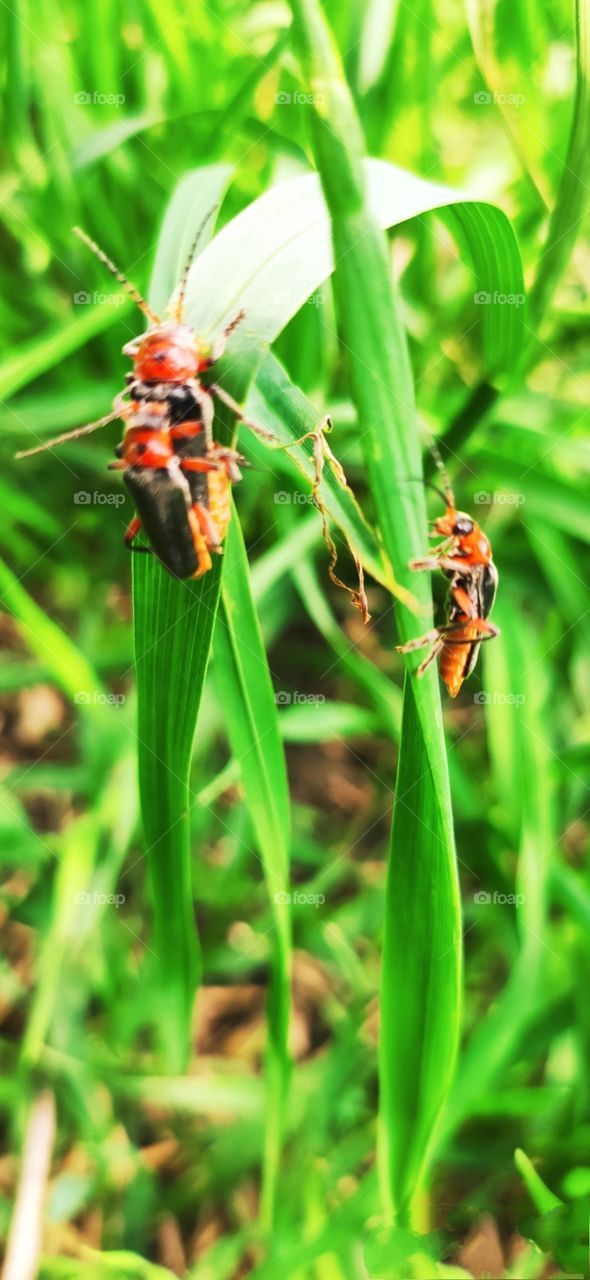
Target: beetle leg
430 657
441 562
420 642
200 542
200 464
262 433
207 526
131 533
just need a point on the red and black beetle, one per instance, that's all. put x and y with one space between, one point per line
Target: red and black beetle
465 558
178 477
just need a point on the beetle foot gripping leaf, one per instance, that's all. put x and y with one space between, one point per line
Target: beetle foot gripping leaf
322 453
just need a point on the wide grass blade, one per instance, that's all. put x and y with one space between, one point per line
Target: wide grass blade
572 196
422 951
498 1036
173 628
247 696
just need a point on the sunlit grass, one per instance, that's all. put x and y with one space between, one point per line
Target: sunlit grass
183 1133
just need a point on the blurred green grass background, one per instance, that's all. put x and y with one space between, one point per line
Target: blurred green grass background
108 106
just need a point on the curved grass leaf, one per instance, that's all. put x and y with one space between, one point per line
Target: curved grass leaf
275 253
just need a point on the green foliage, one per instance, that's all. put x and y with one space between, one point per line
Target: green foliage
236 1131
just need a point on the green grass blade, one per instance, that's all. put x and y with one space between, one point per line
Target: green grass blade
115 1264
497 1037
422 937
183 215
62 659
73 919
542 1197
572 196
173 628
33 359
246 690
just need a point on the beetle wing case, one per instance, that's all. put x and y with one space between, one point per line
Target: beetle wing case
162 500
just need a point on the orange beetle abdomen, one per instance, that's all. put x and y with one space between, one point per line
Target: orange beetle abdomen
456 659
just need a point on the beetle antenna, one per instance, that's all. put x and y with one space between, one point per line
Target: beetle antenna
126 284
69 435
448 494
429 484
177 308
